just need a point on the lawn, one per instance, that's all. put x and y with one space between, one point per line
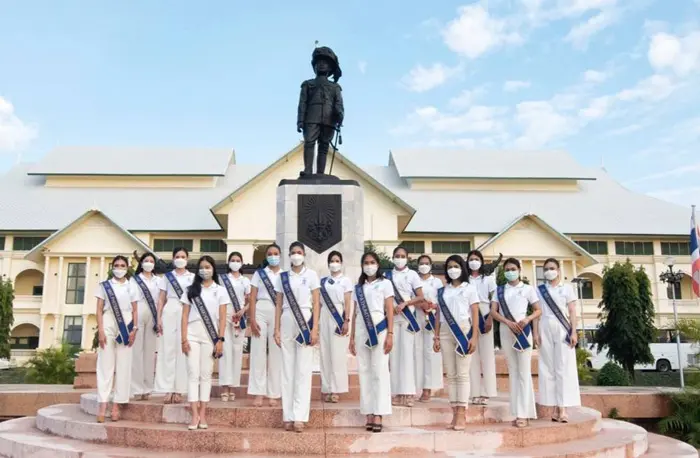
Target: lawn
653 378
12 376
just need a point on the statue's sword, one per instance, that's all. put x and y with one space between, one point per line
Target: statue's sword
337 141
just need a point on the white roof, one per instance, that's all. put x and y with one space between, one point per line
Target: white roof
134 161
455 163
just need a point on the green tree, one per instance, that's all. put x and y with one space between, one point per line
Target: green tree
54 366
626 327
385 261
7 296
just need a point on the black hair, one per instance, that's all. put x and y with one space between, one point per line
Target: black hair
513 261
179 249
297 244
139 269
478 254
425 256
363 276
548 260
120 258
400 247
335 253
228 260
460 261
195 288
267 248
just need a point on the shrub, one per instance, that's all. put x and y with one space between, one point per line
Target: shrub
684 423
53 366
584 373
612 375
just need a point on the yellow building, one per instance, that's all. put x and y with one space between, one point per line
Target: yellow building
63 219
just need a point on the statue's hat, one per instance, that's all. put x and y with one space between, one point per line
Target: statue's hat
326 52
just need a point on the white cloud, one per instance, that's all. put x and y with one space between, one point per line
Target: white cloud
542 123
582 33
671 173
512 86
652 89
421 79
474 32
597 109
594 76
467 98
476 119
683 196
14 133
681 55
362 66
624 130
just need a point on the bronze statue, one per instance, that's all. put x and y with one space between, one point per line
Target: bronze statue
320 112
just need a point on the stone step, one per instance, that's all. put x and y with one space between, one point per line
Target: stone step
241 413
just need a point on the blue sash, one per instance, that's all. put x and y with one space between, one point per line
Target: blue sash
462 341
268 284
234 298
208 323
124 330
521 343
304 337
372 330
339 322
482 322
149 300
413 325
549 300
175 284
430 325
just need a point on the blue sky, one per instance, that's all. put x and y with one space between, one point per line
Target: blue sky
611 81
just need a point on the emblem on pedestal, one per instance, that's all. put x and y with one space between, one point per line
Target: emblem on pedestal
319 221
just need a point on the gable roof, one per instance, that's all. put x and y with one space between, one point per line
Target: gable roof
118 161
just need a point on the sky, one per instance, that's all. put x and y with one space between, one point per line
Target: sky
613 82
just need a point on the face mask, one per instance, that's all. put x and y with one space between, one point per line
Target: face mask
370 269
147 266
119 273
512 275
235 266
274 261
180 263
550 274
424 269
206 274
474 264
335 267
454 273
400 263
297 259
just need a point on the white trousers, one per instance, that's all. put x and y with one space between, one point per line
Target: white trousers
428 362
334 354
483 368
231 363
402 359
200 362
297 370
265 356
373 370
522 395
143 358
171 364
558 375
456 366
113 363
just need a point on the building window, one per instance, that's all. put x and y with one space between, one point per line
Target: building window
212 246
451 247
634 248
2 243
540 275
38 290
593 246
73 330
24 343
675 248
670 288
168 245
414 247
26 243
75 289
587 290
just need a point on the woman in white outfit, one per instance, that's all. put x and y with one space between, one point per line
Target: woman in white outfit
516 339
402 361
231 362
428 362
483 367
143 361
171 364
373 297
115 298
297 299
265 357
558 375
460 301
334 338
203 325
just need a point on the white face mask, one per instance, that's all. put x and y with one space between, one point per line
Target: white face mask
474 264
550 274
454 272
335 267
235 265
119 273
424 269
180 263
370 269
147 266
206 274
297 259
400 263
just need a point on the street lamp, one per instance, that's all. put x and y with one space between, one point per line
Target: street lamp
672 279
580 281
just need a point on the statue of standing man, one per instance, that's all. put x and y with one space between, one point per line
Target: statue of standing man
320 112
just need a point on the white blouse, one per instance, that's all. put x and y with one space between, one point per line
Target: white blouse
336 290
241 286
486 288
153 286
213 296
375 293
430 286
459 301
562 295
302 284
257 282
184 280
407 282
517 298
124 293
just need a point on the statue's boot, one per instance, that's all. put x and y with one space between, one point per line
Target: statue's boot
308 157
321 161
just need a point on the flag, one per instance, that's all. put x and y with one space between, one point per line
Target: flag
695 253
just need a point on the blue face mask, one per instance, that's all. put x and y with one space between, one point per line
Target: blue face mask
511 275
273 260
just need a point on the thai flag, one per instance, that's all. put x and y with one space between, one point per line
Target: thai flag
695 253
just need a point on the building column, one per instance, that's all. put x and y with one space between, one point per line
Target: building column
57 334
574 269
534 273
86 339
88 282
45 296
102 269
59 281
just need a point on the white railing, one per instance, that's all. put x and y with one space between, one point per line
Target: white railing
27 302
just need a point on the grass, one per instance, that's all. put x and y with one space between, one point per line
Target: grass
652 378
14 375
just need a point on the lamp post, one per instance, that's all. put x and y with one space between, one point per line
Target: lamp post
674 278
580 281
